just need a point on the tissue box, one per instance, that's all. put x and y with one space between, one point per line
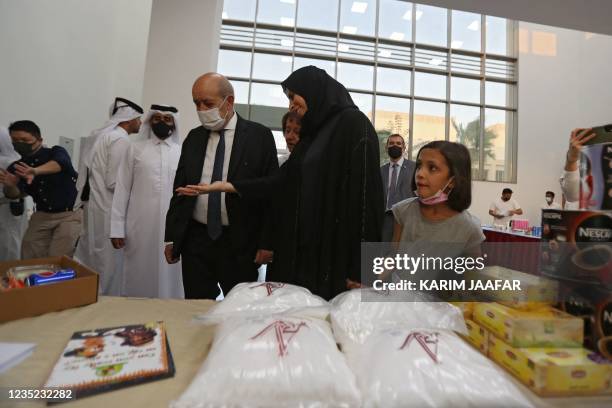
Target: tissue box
554 371
477 336
536 292
546 327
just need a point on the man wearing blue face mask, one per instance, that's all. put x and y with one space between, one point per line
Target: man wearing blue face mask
47 175
219 237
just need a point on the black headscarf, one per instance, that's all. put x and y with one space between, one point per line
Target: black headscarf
324 96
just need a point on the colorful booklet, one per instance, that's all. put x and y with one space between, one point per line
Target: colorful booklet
101 360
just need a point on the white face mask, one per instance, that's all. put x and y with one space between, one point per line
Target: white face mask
211 119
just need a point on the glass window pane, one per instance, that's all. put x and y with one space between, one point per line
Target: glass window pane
465 129
429 85
363 102
428 124
268 104
239 10
465 90
499 36
241 91
234 63
498 130
310 15
466 31
431 25
395 20
357 17
328 66
271 66
356 76
499 94
276 12
393 80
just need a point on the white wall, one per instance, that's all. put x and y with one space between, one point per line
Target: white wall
183 44
571 87
63 61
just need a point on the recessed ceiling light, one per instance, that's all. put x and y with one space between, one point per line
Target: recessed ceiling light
288 1
343 47
397 36
349 29
435 61
384 53
287 21
359 7
408 15
456 44
287 43
419 14
473 25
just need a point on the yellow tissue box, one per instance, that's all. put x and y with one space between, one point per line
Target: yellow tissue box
547 327
477 336
554 371
536 292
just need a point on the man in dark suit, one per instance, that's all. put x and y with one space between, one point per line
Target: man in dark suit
397 178
218 236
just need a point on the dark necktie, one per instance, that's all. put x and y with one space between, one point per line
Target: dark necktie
214 199
392 197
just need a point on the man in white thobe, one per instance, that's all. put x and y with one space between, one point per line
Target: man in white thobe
12 226
102 163
142 196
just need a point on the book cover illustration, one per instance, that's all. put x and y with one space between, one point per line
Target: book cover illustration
102 360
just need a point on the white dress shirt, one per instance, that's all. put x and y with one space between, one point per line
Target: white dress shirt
200 213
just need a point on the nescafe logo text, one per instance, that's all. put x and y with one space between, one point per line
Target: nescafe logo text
597 228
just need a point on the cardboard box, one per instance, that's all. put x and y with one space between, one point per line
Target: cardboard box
536 292
477 336
577 246
595 170
554 371
36 300
545 327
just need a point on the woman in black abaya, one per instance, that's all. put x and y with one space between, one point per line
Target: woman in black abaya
330 188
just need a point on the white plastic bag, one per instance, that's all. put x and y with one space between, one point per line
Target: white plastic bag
429 368
271 362
264 298
355 318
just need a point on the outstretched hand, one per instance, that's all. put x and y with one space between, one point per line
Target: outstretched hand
202 188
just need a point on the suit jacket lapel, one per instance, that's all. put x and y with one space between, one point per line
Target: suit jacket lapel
237 147
200 153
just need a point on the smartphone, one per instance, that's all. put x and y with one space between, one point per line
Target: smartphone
603 135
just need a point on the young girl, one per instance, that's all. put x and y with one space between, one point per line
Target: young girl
443 185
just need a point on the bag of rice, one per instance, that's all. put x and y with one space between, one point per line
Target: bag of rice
429 368
264 298
275 361
360 312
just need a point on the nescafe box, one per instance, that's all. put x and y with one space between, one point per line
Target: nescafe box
576 246
596 171
554 371
594 306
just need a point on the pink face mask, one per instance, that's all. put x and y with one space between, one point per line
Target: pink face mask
439 197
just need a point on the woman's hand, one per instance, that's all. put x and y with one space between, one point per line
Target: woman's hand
202 188
577 139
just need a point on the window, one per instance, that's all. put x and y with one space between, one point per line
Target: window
424 72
